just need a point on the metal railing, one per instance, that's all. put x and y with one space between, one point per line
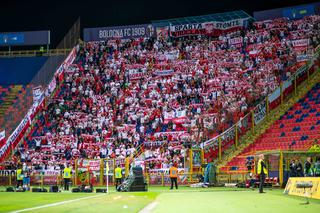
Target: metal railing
33 53
42 179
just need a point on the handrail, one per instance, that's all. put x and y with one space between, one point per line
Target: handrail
137 153
32 53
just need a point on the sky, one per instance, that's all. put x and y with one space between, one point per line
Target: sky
59 15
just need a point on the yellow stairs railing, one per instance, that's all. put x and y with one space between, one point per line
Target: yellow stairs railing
8 100
139 151
273 115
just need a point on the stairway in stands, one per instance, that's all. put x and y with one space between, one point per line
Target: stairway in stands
9 99
297 129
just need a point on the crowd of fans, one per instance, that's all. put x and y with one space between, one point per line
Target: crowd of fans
120 96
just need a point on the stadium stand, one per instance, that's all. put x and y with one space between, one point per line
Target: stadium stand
121 95
153 99
296 130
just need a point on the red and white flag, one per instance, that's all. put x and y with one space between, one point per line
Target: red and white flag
2 137
180 117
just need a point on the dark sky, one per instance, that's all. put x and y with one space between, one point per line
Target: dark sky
59 15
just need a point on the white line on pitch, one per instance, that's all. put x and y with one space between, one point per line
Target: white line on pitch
149 208
56 204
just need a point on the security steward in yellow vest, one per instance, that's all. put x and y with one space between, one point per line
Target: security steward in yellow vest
262 172
118 176
67 173
19 177
173 174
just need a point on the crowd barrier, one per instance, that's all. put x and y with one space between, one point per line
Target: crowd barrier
48 178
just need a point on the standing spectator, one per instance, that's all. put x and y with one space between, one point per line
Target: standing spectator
173 174
67 176
19 176
26 176
293 168
317 167
308 167
118 174
299 169
262 172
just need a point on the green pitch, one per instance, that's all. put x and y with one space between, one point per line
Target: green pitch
158 199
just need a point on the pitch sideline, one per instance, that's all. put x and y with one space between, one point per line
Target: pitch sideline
56 204
149 208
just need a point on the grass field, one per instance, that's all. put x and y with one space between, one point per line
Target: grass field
158 199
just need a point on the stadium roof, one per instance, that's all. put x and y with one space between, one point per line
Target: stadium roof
222 17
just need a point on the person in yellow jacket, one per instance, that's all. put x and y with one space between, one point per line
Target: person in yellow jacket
67 173
173 174
262 172
118 176
19 176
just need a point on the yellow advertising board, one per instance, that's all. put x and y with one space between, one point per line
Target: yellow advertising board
314 192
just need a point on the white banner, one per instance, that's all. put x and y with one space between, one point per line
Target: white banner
305 57
135 74
163 72
187 29
235 41
206 28
180 117
300 43
168 116
94 165
160 143
17 131
166 171
260 112
48 172
37 93
177 117
175 135
52 85
228 24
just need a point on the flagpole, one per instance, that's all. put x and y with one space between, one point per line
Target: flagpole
107 183
107 176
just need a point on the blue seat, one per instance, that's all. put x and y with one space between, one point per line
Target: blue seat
233 168
290 116
312 110
306 107
296 129
298 112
